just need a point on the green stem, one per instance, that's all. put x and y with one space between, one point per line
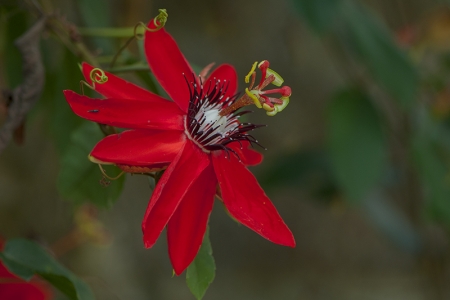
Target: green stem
130 68
124 32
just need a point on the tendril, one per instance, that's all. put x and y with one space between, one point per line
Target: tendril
109 177
97 75
159 21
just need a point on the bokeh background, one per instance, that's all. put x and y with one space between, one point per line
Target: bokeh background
357 164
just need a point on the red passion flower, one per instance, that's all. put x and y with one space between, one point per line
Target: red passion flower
197 137
15 288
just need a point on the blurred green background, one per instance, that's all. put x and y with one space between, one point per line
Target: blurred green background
357 165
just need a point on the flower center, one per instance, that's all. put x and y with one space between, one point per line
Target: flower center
206 124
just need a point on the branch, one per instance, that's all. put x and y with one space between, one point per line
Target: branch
21 99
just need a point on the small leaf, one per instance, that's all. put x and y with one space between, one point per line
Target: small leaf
200 273
21 271
79 178
356 142
23 257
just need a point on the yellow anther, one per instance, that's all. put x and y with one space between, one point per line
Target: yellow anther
257 94
278 79
247 78
255 100
273 112
267 107
280 107
97 75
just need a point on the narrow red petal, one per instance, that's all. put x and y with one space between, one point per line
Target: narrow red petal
171 188
248 156
247 202
116 87
168 65
145 148
187 226
224 73
127 113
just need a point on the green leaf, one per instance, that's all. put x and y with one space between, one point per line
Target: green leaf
374 46
319 14
200 273
79 178
430 155
33 258
356 142
21 271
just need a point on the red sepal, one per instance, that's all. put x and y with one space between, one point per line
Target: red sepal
117 87
147 148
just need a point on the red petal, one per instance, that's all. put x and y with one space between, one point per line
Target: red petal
248 156
168 65
149 113
187 226
224 72
15 288
116 87
20 290
171 188
140 148
247 202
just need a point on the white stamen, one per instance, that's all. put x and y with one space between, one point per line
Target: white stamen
205 125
